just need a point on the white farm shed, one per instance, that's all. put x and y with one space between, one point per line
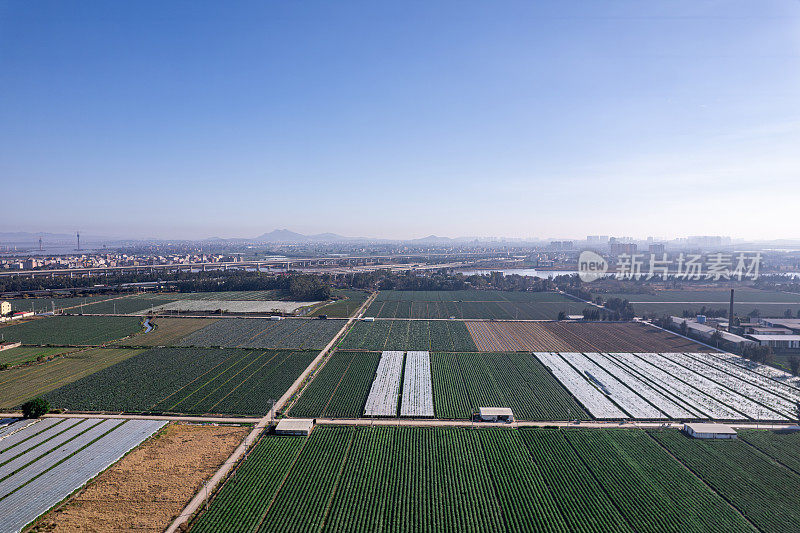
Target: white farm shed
294 426
496 414
709 431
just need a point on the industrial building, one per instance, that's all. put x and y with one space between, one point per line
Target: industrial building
706 333
496 414
700 430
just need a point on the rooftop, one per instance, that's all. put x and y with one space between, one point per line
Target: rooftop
706 427
495 411
286 425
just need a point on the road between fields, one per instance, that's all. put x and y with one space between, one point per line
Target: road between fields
208 488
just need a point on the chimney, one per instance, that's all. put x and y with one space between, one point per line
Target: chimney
730 314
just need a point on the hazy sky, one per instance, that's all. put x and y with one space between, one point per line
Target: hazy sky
195 119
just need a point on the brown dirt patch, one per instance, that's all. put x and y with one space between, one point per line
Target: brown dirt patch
168 331
576 337
151 485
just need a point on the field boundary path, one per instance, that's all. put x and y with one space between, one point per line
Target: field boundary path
209 487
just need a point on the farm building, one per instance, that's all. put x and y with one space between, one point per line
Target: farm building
9 345
294 426
496 414
778 342
788 323
706 333
709 431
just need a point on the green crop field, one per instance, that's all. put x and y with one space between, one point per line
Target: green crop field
185 380
345 307
740 309
72 330
781 447
23 383
676 301
434 335
264 333
463 382
762 489
340 388
121 306
721 295
27 354
472 304
44 305
457 479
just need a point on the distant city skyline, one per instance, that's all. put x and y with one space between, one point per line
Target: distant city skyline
190 120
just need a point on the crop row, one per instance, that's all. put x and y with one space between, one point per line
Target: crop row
340 388
264 333
547 310
764 491
464 382
72 330
454 479
409 335
188 380
469 296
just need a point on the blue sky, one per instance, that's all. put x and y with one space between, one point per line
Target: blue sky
548 119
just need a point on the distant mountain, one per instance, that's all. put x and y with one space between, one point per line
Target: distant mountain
432 239
285 235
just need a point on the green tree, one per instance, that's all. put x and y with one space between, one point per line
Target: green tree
794 365
35 408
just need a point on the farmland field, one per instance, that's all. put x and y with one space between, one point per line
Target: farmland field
781 447
433 335
455 479
264 333
746 299
206 307
168 469
462 382
345 307
763 490
576 337
44 305
72 330
48 461
167 331
122 306
27 354
341 387
472 304
188 380
23 383
220 295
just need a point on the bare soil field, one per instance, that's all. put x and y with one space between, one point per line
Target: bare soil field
151 485
168 331
576 337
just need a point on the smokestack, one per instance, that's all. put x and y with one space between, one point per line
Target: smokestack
730 314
